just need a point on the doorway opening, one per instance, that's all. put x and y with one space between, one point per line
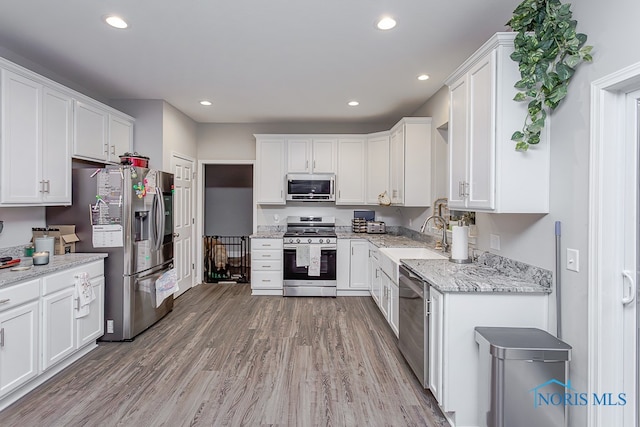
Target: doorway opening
228 222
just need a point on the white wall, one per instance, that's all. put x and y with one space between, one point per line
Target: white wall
18 223
610 26
179 135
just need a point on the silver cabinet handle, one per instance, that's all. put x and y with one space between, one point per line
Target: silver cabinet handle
266 244
427 307
113 150
2 337
77 301
106 148
42 186
460 190
48 183
266 280
266 255
314 165
266 266
306 164
5 301
465 189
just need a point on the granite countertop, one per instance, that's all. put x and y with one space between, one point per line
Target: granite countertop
267 234
56 263
446 276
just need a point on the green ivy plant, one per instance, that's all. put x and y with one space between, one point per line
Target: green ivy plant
547 49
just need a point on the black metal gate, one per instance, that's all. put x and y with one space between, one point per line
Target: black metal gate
227 258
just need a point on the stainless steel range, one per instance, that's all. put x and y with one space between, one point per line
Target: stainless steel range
310 246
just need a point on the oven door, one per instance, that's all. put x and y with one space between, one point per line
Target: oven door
299 276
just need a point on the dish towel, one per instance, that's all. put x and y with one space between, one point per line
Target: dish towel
166 286
302 256
314 260
84 294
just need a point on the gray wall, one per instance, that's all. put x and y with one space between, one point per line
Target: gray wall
228 205
610 27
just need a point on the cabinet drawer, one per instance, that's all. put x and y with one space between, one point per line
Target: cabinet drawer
266 255
55 282
266 280
14 295
266 265
266 244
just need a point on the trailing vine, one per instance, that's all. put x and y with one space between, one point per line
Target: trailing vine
547 49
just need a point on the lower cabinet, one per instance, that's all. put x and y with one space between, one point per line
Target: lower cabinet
375 273
19 311
266 266
353 267
41 328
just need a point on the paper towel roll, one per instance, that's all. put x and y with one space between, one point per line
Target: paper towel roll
460 244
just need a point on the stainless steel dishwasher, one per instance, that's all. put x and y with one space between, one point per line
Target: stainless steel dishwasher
413 323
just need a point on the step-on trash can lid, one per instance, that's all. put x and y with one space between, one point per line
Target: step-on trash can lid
523 344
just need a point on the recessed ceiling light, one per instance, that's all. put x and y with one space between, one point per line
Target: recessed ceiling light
423 77
205 103
116 21
386 23
353 103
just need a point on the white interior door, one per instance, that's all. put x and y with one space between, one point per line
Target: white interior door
184 240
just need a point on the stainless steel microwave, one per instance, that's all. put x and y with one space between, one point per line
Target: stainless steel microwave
311 187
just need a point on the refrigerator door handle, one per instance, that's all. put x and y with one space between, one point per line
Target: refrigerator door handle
160 219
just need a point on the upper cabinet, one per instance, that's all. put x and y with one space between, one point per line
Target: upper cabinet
377 167
350 180
100 134
35 142
486 173
311 155
270 169
410 162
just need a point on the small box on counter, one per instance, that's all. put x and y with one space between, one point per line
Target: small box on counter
64 235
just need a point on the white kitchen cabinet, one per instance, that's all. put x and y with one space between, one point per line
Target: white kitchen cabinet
91 327
58 326
485 172
120 137
375 274
18 334
453 352
270 170
385 295
266 266
35 120
377 167
350 180
359 271
410 162
311 155
90 131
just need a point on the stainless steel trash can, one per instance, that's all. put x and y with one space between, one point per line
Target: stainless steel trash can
522 378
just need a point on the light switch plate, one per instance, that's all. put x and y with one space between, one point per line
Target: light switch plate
573 260
494 242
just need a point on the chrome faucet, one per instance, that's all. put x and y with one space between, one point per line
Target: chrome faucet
445 244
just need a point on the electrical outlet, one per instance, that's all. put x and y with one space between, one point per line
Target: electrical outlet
494 242
109 326
573 260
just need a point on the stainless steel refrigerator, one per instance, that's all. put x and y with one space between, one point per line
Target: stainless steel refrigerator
126 212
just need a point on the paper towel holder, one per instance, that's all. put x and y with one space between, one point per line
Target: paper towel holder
461 261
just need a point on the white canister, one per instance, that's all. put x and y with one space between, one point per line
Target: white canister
45 244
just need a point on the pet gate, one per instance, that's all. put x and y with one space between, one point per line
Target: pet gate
227 258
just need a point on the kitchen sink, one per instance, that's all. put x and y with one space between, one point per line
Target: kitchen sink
390 259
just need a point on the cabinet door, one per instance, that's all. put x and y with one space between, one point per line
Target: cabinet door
120 137
377 169
350 179
56 146
21 153
375 274
58 326
343 264
270 176
90 131
458 127
18 346
481 136
299 155
324 155
359 271
397 166
385 295
394 301
436 350
91 326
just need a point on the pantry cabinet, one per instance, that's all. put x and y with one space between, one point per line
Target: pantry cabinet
377 167
311 155
485 172
350 180
35 119
410 162
270 170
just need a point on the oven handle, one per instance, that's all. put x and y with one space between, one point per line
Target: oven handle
322 247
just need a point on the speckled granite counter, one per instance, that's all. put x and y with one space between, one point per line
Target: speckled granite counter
56 263
481 276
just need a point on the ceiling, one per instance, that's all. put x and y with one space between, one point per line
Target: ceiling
256 60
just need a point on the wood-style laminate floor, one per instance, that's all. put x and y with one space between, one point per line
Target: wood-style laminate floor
225 358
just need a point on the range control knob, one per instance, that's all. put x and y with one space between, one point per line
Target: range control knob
320 240
297 240
309 240
328 241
